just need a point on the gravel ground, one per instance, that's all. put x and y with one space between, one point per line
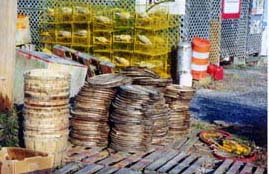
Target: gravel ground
240 99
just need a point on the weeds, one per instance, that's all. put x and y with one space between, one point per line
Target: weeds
9 129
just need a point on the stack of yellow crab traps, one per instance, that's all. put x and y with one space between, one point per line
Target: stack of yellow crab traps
81 27
151 39
69 24
123 38
102 32
115 34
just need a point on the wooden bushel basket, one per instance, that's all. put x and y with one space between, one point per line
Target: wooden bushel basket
54 143
46 88
45 112
56 123
50 141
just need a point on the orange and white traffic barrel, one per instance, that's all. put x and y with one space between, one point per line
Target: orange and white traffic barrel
200 58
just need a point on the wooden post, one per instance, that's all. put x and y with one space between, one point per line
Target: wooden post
8 17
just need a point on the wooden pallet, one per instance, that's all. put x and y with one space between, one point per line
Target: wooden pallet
159 160
237 167
177 157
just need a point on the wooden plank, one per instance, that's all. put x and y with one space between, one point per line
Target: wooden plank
81 156
235 167
129 160
259 170
196 166
96 157
113 158
178 144
128 171
107 170
69 168
247 169
8 18
89 169
161 161
140 165
172 162
150 172
79 149
181 166
223 167
188 144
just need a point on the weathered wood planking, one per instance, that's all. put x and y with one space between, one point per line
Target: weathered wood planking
188 144
172 162
156 161
128 171
179 143
235 167
223 167
82 155
140 165
89 169
78 153
96 157
247 168
8 18
69 168
161 161
181 166
113 158
151 172
107 170
129 160
259 170
196 166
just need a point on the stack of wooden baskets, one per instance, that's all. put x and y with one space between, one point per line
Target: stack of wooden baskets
46 112
178 99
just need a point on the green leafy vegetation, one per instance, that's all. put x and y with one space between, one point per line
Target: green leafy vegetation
9 129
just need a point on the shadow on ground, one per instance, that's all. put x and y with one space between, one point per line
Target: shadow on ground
241 102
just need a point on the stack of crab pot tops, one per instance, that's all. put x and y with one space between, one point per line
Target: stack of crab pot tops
178 98
137 73
146 77
136 119
158 111
90 114
46 112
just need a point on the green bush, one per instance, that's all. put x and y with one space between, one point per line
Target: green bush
9 129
